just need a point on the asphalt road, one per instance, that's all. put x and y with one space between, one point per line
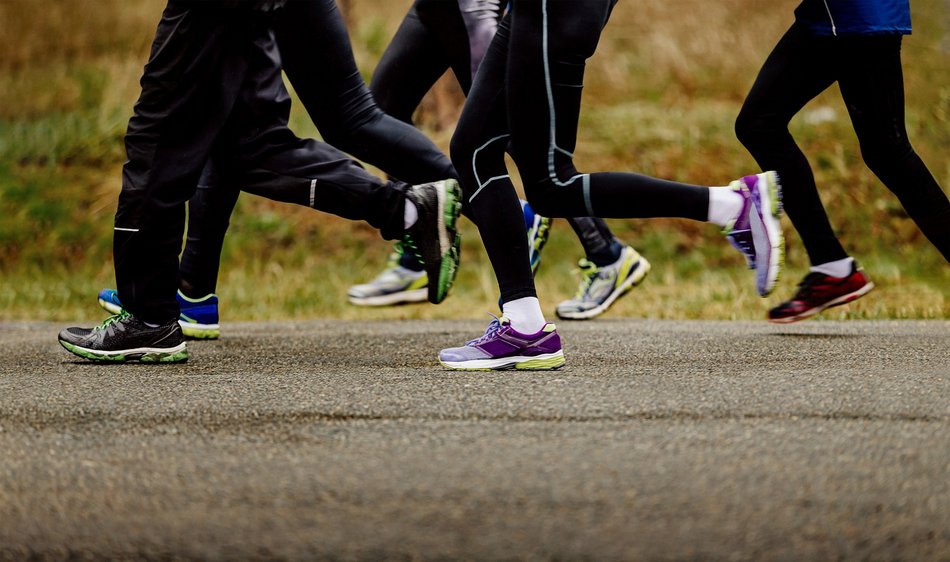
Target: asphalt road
345 440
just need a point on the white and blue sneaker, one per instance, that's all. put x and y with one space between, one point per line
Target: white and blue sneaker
198 318
538 229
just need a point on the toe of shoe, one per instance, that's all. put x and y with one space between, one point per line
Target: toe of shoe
451 354
73 335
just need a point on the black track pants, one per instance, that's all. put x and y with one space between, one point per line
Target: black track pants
204 95
323 70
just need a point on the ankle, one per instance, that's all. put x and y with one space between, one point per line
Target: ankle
837 268
191 292
525 315
725 204
609 256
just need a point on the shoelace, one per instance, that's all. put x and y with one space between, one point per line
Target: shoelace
393 263
540 236
408 244
108 322
396 256
589 271
493 327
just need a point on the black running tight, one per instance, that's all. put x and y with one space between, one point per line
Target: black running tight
437 35
527 94
868 71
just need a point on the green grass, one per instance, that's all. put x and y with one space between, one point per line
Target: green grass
661 97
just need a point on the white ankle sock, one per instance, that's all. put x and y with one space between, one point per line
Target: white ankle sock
410 214
724 205
837 268
525 315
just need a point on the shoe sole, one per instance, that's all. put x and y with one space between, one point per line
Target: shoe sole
450 206
177 354
190 330
765 225
844 299
636 277
200 331
416 295
546 362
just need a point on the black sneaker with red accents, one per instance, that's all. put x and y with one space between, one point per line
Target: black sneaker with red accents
818 292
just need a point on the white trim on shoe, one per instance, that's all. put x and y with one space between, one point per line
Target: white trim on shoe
415 295
527 362
772 229
197 331
134 351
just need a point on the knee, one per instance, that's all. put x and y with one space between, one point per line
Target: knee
460 153
578 35
751 126
468 150
542 203
460 148
337 135
347 129
883 152
542 193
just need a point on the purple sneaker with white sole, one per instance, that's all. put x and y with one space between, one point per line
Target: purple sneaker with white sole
757 232
503 348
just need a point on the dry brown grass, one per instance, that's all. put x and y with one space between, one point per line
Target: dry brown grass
53 49
660 98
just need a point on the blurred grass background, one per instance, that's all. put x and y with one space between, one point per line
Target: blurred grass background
661 97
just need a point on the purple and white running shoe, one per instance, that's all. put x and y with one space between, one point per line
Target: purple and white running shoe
503 348
757 232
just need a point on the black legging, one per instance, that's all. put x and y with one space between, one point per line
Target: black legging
323 71
432 38
437 35
868 71
527 93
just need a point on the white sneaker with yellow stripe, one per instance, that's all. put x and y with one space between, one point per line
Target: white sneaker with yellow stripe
601 286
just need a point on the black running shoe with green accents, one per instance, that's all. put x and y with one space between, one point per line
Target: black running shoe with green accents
434 237
124 337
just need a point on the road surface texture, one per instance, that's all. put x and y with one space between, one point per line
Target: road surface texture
659 440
